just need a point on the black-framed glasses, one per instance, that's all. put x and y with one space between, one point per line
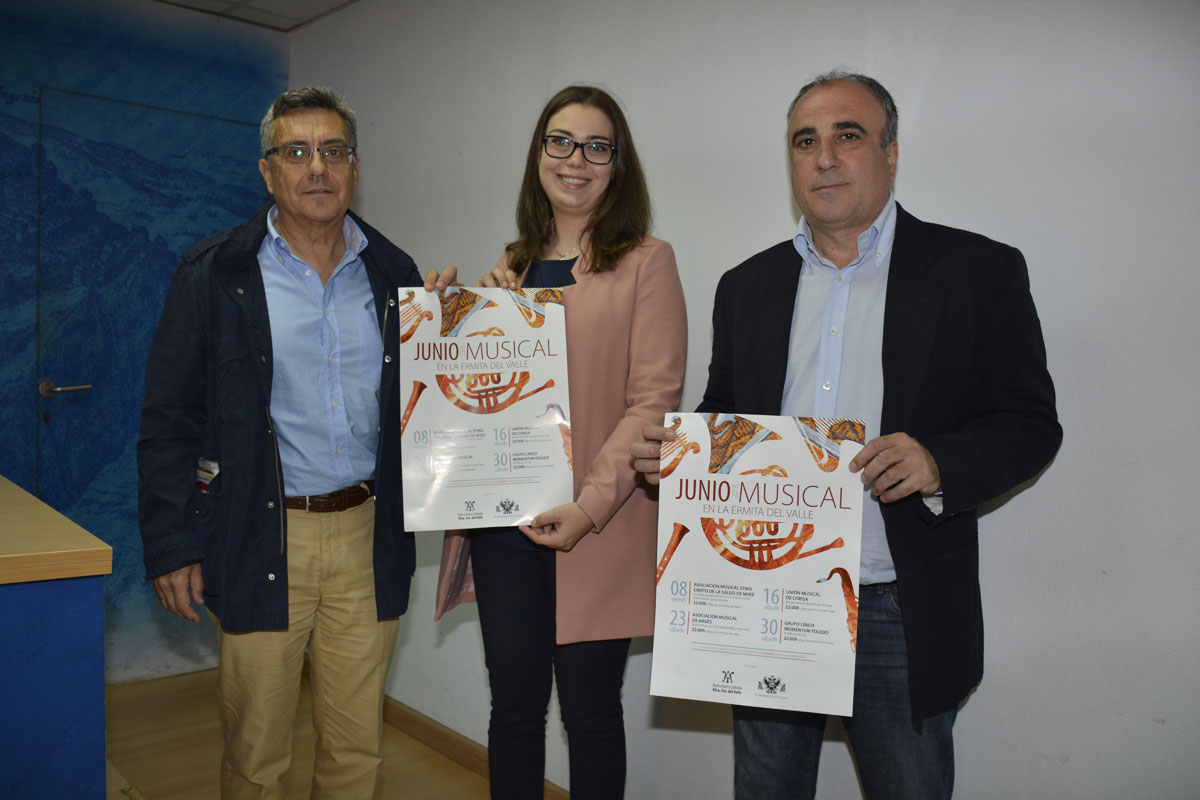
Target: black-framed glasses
298 154
593 152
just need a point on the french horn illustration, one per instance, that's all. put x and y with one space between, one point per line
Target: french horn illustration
487 392
758 544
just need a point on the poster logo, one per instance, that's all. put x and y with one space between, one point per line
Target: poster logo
772 685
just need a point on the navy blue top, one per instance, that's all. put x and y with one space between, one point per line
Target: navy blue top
541 275
549 274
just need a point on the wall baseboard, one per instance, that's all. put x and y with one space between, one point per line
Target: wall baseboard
451 744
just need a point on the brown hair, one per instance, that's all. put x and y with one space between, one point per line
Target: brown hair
621 220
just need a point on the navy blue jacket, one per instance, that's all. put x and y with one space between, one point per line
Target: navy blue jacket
964 373
208 389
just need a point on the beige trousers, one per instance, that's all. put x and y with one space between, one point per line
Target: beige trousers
331 610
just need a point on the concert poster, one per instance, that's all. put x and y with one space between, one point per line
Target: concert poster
485 416
760 526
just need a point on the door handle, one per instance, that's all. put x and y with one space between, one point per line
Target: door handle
48 389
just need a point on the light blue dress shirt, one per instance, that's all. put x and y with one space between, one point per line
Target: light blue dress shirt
328 355
835 354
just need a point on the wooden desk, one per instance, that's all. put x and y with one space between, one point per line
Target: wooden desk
52 658
38 543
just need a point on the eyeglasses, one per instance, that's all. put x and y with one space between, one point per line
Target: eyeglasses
299 154
593 152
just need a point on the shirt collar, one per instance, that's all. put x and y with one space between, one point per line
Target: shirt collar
356 240
874 244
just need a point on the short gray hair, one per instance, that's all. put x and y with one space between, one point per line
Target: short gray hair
892 124
308 97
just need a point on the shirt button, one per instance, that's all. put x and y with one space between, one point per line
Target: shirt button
325 312
331 359
833 331
241 291
335 405
826 386
270 504
308 272
391 301
270 576
387 359
339 451
841 278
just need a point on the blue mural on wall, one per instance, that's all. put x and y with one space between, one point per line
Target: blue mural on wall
128 131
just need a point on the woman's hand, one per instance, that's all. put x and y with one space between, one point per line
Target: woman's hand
647 452
499 278
559 528
440 282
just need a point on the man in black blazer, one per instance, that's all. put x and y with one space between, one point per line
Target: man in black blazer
941 351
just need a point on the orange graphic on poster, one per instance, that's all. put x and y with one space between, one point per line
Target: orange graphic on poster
564 428
851 603
823 437
487 392
677 449
532 303
677 535
492 331
415 395
732 436
758 544
458 304
411 314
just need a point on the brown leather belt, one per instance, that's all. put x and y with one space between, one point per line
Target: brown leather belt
340 500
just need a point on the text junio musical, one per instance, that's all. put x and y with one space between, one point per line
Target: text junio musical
484 350
762 493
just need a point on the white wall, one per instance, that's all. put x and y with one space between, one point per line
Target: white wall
1067 129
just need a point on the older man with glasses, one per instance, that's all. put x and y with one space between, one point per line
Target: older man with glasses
269 460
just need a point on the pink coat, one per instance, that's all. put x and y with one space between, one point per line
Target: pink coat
626 350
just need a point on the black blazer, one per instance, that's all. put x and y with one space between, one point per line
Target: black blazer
964 372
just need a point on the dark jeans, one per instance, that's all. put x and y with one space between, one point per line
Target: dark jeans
776 752
514 589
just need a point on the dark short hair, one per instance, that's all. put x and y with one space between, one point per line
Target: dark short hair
622 219
892 124
299 99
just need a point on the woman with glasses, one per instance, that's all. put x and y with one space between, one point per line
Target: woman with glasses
562 597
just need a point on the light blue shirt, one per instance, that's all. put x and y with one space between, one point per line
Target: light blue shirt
835 354
328 352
